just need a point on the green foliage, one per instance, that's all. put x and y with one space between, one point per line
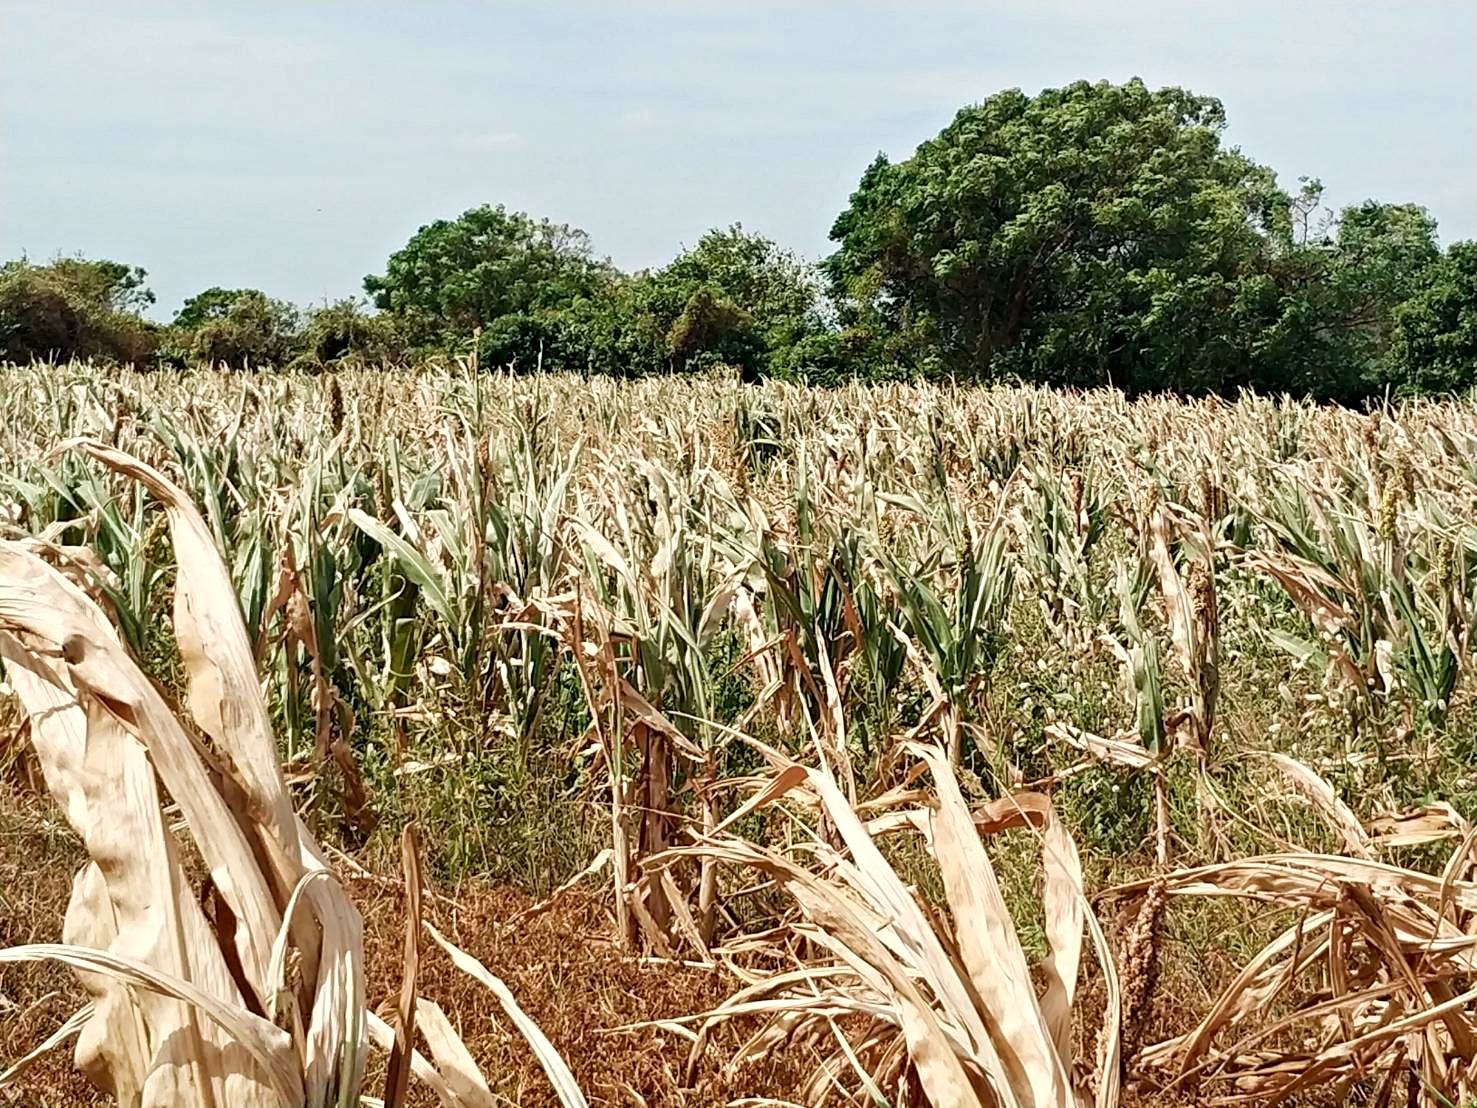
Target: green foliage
1089 235
712 327
829 357
239 328
205 306
1095 234
816 359
1102 234
771 285
75 308
1332 291
620 333
756 274
735 299
112 285
1383 254
1434 340
457 276
245 328
540 298
745 302
522 340
344 330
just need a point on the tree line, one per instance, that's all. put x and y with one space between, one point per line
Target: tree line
1092 235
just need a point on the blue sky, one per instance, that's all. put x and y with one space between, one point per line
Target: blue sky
291 146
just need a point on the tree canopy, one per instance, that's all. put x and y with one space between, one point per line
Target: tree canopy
75 308
1324 327
457 276
240 328
1434 337
735 298
1095 234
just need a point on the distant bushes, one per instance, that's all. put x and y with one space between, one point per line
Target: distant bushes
76 308
537 296
1088 236
240 328
344 329
246 329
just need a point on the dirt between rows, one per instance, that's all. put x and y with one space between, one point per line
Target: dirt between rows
579 988
575 984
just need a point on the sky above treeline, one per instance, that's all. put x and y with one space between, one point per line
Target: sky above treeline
292 146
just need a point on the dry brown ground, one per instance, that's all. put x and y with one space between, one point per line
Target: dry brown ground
571 980
38 857
573 983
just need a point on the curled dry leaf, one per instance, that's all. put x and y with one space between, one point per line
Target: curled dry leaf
947 1009
1374 971
175 1017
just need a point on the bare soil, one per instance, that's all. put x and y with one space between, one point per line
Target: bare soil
578 987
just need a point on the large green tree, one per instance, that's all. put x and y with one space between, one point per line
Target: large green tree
1434 340
485 270
1087 235
1332 296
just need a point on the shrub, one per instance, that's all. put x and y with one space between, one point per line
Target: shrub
74 308
346 330
521 340
240 328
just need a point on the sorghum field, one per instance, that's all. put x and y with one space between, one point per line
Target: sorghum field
891 745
